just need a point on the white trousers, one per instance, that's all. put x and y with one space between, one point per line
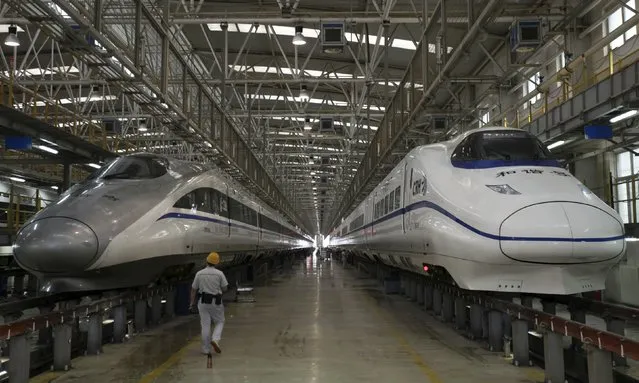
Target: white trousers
208 313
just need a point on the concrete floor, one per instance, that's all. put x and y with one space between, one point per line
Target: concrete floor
321 323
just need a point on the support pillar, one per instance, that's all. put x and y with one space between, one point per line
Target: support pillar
32 283
577 316
156 309
66 177
420 292
447 307
62 335
527 301
45 335
599 366
437 301
554 358
20 359
495 331
476 314
140 315
617 326
169 307
119 324
94 335
18 284
428 296
521 348
413 289
460 313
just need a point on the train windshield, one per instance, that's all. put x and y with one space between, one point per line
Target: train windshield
501 146
133 167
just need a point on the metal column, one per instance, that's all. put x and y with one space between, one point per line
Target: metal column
94 336
577 316
156 308
119 324
62 335
428 296
437 301
447 307
140 315
169 308
554 358
420 291
521 348
66 177
460 313
476 314
495 331
617 326
599 366
20 359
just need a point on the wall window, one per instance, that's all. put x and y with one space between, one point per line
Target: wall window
627 165
530 86
614 21
485 118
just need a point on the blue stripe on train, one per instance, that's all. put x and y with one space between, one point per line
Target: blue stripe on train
430 205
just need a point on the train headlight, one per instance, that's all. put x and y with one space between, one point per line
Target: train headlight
503 189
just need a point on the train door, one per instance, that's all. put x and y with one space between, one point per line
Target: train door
224 209
408 182
374 214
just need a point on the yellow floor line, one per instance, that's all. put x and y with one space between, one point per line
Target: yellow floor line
46 377
161 369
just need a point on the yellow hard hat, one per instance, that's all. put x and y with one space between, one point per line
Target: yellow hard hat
213 258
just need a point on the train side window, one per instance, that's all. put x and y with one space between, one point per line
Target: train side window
398 194
185 202
202 200
391 201
466 150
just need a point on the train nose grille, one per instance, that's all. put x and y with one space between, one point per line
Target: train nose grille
56 244
561 232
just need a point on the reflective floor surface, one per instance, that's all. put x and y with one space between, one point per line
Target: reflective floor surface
318 323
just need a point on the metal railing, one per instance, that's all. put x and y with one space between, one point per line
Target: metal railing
625 192
18 209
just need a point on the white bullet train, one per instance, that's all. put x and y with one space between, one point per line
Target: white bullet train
143 217
491 209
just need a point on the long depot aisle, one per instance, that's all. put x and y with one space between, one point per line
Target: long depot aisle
320 324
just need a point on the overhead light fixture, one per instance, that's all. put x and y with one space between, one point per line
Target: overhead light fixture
17 179
54 187
556 144
304 97
47 149
12 39
48 142
624 115
307 124
96 166
299 39
142 126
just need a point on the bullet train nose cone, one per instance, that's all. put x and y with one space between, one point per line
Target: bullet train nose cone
561 232
56 244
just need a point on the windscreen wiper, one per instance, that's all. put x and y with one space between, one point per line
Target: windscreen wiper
116 175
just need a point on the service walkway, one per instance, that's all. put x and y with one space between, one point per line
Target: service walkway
320 324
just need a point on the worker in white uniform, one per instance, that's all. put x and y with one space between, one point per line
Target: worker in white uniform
210 283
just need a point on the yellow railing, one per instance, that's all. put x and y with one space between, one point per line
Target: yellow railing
572 84
19 209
